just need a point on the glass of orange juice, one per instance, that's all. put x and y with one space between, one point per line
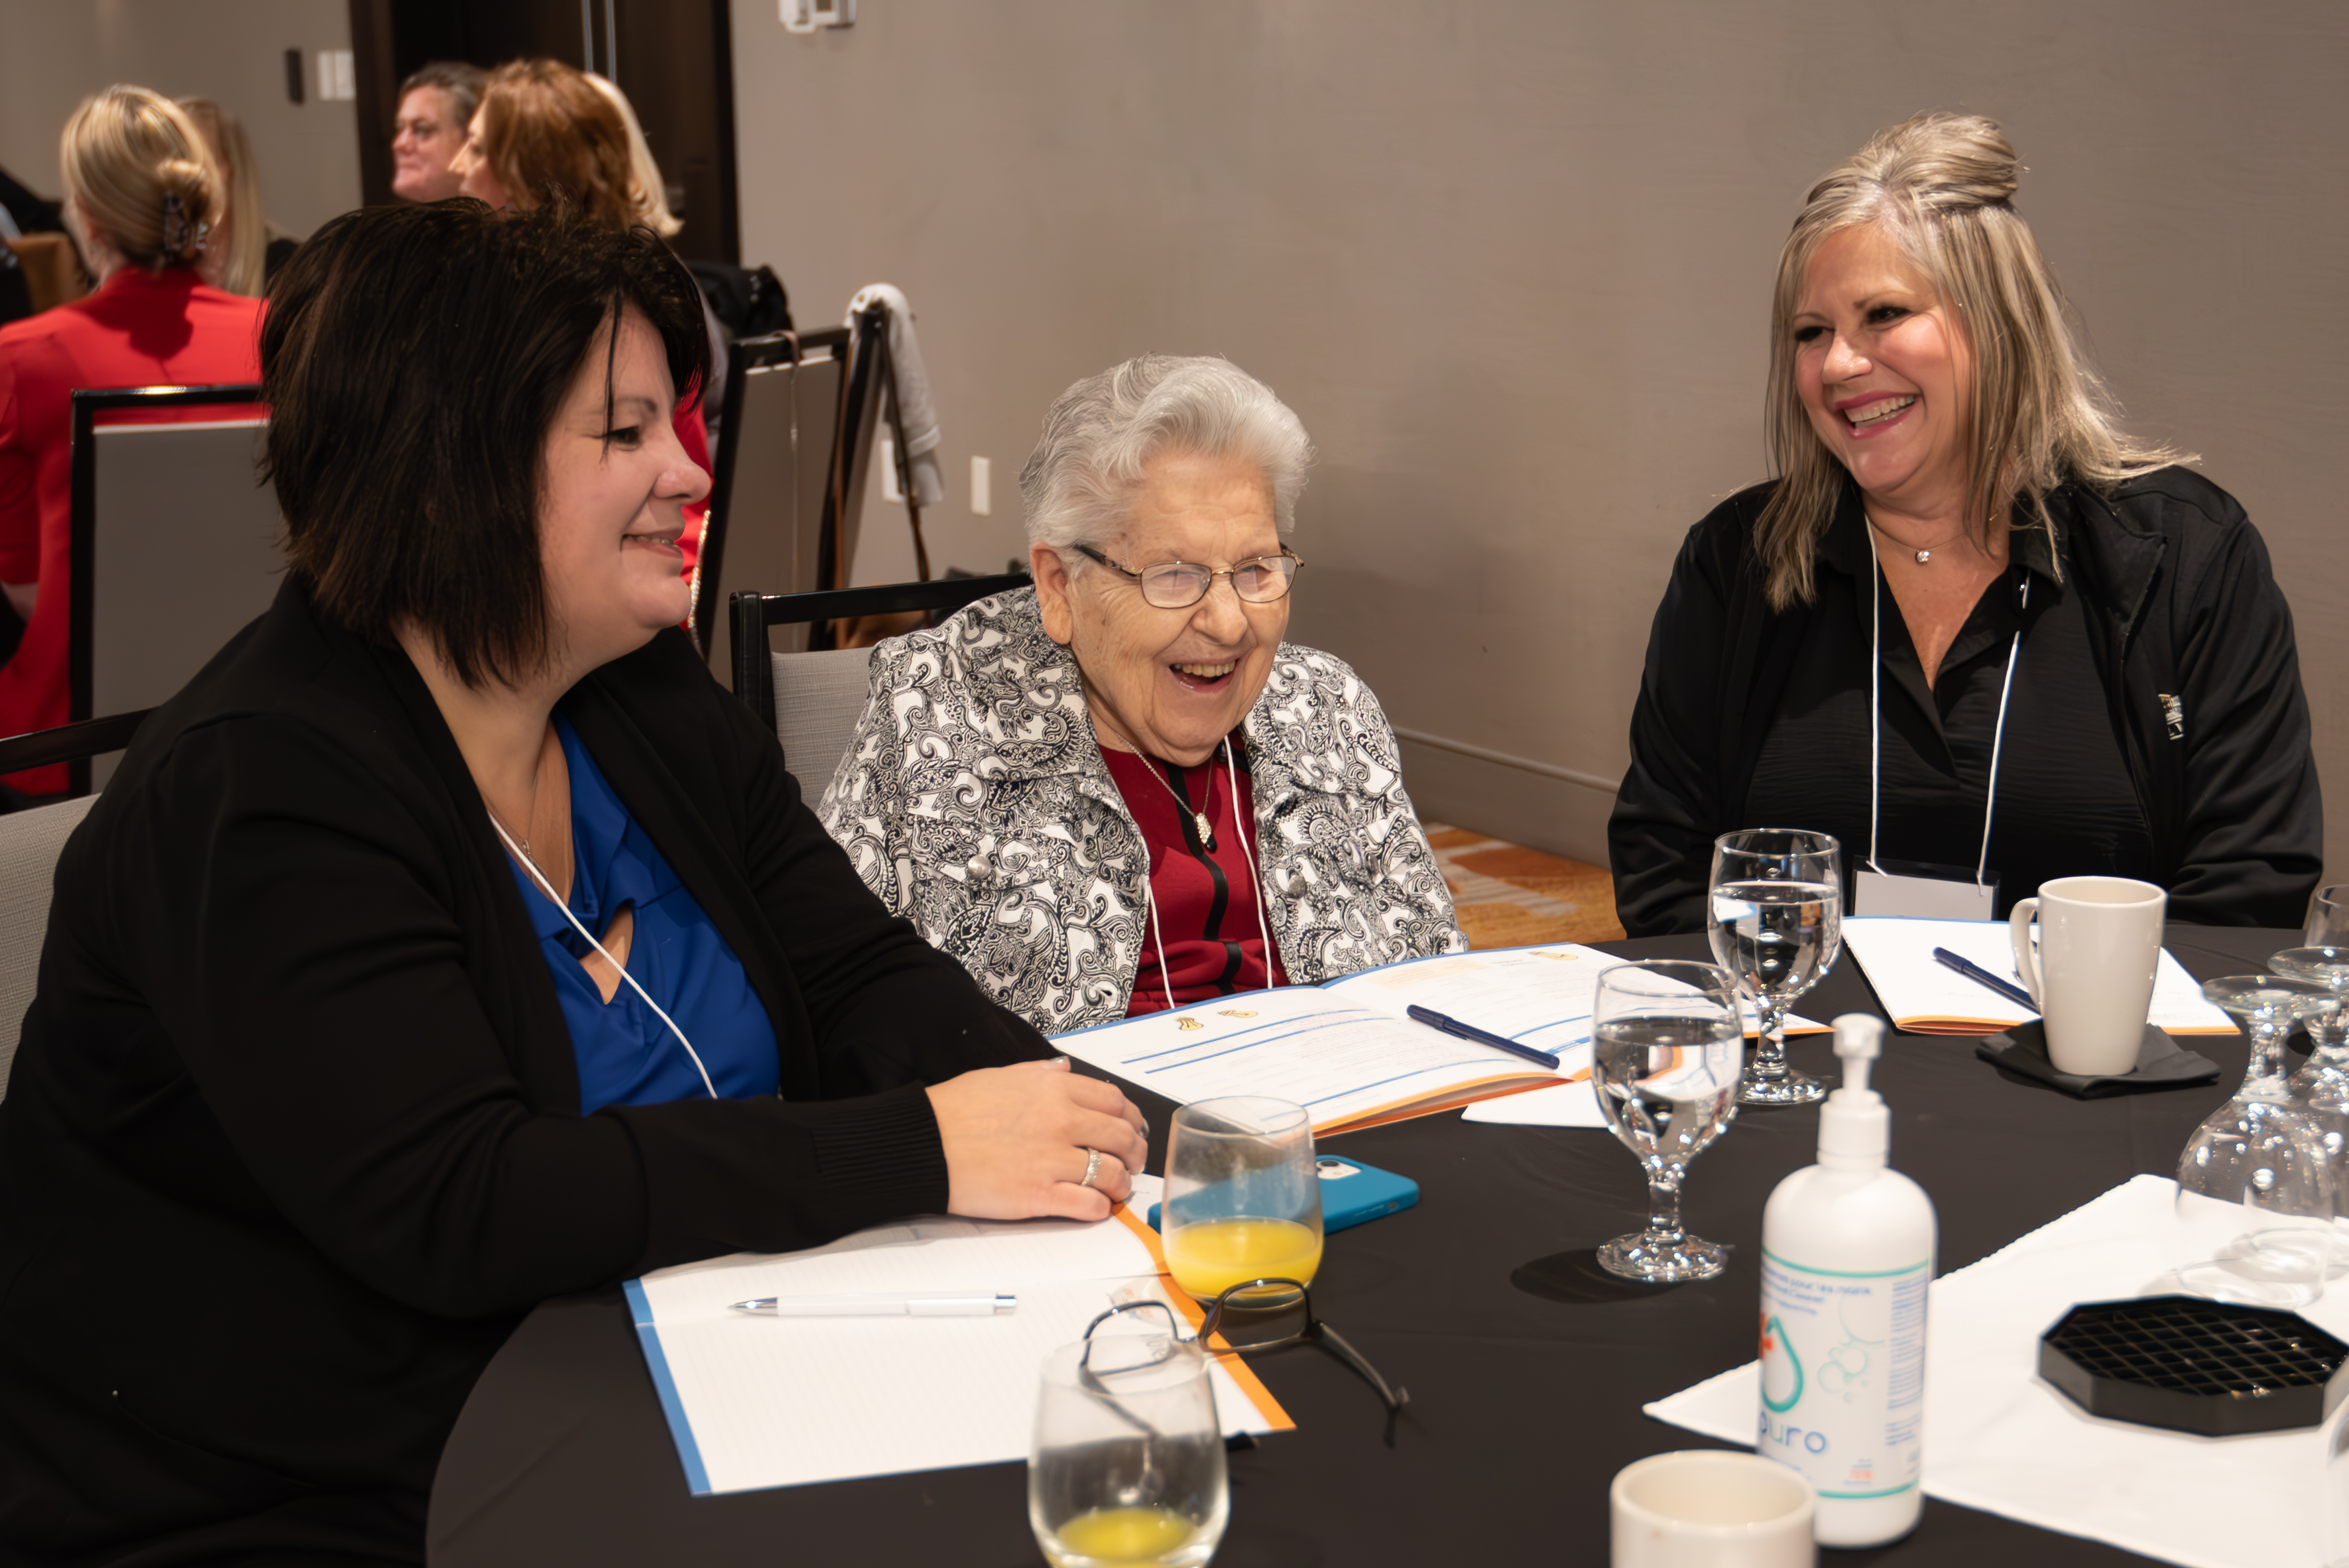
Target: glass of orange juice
1243 1198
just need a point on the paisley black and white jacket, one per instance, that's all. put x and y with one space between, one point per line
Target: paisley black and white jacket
975 802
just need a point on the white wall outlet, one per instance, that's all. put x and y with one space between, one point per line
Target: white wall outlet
807 15
337 81
884 457
982 475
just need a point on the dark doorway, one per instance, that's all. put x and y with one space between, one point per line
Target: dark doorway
674 58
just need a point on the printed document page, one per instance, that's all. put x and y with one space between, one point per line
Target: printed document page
1927 997
1347 1064
768 1401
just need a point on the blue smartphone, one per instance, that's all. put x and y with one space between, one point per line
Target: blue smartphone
1352 1193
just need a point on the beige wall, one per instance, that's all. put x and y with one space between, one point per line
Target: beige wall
55 53
1510 259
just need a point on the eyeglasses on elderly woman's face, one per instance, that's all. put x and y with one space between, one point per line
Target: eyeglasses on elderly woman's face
1179 585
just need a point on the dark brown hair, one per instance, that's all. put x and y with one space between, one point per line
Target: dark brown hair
414 359
546 129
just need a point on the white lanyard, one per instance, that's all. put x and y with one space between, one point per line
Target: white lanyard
547 888
1876 714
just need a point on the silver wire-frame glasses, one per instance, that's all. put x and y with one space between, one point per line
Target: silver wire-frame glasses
1179 585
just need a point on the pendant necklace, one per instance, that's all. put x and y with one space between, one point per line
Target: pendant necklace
1923 556
1198 819
1207 831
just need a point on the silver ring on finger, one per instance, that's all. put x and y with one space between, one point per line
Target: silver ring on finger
1092 1167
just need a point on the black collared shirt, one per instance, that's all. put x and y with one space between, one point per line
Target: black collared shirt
2065 805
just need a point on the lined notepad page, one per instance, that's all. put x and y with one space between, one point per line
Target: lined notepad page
1927 997
763 1401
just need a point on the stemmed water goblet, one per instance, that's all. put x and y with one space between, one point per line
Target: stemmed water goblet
1667 1041
1775 914
2254 1189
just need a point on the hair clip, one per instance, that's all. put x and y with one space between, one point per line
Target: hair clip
175 224
203 233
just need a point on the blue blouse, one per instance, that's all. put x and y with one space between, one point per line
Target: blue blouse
627 1055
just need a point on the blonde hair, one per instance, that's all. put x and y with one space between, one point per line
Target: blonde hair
137 171
646 192
244 232
1942 186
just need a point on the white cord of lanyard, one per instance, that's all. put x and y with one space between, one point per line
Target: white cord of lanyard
1875 716
548 889
1150 901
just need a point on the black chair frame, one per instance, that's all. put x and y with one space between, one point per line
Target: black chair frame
754 613
743 356
74 743
88 403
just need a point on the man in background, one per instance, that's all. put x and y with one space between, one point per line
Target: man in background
436 104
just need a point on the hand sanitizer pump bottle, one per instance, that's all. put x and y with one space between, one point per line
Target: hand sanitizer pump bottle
1846 1258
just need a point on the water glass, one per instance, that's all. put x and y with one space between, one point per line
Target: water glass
1667 1042
1243 1198
1775 918
1126 1470
2254 1189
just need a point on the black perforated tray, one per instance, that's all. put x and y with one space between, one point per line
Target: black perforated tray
2195 1365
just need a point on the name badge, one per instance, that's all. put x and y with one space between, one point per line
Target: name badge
1921 891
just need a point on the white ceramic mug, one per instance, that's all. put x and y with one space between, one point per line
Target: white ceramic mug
1711 1508
2092 974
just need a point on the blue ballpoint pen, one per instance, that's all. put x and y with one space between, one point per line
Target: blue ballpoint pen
1981 977
1435 1020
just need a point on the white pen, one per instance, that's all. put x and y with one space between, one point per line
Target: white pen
960 1304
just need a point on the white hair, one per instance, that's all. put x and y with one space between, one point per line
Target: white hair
1078 487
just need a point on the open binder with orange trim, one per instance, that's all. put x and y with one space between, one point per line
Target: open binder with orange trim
1347 1049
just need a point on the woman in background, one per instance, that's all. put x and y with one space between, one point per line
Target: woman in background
436 104
1966 576
245 249
143 195
543 128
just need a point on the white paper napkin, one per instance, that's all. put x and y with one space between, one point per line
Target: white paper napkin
1999 1438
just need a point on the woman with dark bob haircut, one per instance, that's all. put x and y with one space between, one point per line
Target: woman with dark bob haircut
326 1084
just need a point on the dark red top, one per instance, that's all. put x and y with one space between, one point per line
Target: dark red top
1207 898
135 331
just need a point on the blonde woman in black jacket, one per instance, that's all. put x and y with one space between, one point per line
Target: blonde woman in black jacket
1972 629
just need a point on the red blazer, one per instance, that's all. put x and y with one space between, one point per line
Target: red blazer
135 331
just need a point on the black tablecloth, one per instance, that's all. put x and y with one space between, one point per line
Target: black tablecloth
1527 1363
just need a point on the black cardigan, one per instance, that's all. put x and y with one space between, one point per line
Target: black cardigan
294 1136
2193 645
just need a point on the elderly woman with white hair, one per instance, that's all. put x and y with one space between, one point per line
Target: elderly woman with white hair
1121 790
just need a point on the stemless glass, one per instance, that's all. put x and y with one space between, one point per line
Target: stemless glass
1243 1198
1775 918
1126 1469
2253 1180
1667 1040
2328 917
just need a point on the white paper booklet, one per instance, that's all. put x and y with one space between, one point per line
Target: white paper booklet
1927 997
1348 1052
767 1401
